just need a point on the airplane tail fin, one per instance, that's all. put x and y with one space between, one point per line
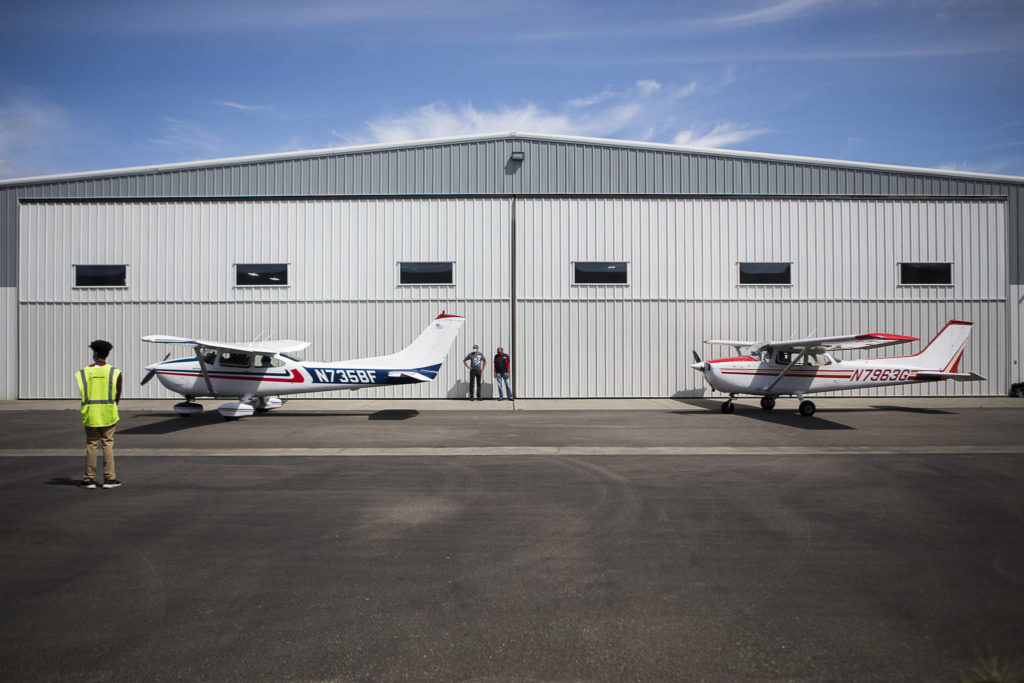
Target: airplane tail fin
428 349
944 352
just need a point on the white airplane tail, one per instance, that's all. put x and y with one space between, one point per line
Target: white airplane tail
429 349
944 352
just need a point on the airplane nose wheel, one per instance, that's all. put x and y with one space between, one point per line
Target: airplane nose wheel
728 407
768 403
807 408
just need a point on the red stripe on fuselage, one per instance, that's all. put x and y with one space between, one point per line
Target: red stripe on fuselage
294 378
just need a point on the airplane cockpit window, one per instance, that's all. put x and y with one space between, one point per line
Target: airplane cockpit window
269 362
819 360
237 360
784 358
209 357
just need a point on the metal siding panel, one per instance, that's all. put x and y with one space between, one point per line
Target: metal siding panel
383 328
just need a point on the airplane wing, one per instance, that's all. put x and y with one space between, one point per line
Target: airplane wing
267 347
817 345
735 343
847 342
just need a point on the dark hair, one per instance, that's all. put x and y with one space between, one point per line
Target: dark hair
101 347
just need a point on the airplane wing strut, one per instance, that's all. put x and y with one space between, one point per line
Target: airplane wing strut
796 359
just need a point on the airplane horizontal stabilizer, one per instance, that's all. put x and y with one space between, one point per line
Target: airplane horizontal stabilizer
956 376
407 377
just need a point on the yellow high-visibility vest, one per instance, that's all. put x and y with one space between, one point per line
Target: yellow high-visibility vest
98 386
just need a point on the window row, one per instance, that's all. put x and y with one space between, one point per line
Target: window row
781 273
584 273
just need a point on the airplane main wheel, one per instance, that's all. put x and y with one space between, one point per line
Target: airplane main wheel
768 403
807 408
728 407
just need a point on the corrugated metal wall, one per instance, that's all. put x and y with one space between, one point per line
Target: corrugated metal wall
481 167
343 297
635 339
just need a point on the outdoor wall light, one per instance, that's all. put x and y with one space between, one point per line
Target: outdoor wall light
517 156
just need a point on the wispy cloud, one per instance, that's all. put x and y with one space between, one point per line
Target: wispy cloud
239 15
721 135
190 140
782 11
33 134
240 107
997 166
647 110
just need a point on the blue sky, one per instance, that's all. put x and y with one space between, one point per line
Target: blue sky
115 83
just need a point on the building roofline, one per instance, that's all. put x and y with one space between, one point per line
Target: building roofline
545 137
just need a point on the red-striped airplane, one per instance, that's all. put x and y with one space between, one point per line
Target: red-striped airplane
805 366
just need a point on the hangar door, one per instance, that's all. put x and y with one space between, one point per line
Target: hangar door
175 269
613 294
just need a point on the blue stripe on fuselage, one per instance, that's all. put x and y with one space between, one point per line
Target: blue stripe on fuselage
367 376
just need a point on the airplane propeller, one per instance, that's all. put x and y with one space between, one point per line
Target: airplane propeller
699 365
695 356
149 375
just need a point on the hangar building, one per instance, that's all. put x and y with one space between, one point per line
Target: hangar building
598 264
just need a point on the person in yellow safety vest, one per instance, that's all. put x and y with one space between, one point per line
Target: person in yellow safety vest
100 386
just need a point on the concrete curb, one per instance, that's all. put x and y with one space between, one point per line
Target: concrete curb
588 404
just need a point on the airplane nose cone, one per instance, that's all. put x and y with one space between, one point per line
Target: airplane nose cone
700 367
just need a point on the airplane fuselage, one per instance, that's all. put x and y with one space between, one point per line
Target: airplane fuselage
185 376
748 375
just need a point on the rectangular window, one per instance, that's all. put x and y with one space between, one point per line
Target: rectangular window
101 276
600 273
261 274
765 273
426 273
926 273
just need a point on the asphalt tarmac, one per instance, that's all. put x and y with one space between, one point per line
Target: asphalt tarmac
867 543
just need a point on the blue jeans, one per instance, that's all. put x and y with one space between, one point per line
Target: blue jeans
502 378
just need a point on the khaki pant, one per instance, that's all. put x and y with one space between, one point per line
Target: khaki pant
93 437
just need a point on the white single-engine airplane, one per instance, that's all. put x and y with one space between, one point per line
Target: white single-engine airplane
257 373
804 366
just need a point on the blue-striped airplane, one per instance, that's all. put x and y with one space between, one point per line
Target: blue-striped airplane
258 373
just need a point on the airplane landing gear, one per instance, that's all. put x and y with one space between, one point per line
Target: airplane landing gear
768 402
807 408
728 406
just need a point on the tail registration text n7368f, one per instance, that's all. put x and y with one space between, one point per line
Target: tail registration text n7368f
806 366
257 373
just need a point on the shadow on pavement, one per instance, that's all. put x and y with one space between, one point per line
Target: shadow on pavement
783 418
64 481
906 409
177 423
393 414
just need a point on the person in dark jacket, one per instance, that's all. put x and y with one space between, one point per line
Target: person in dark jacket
502 367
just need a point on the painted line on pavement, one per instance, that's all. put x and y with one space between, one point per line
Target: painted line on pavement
575 451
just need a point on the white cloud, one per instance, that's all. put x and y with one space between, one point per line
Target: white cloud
648 87
240 107
722 135
648 110
439 120
781 11
191 140
33 134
